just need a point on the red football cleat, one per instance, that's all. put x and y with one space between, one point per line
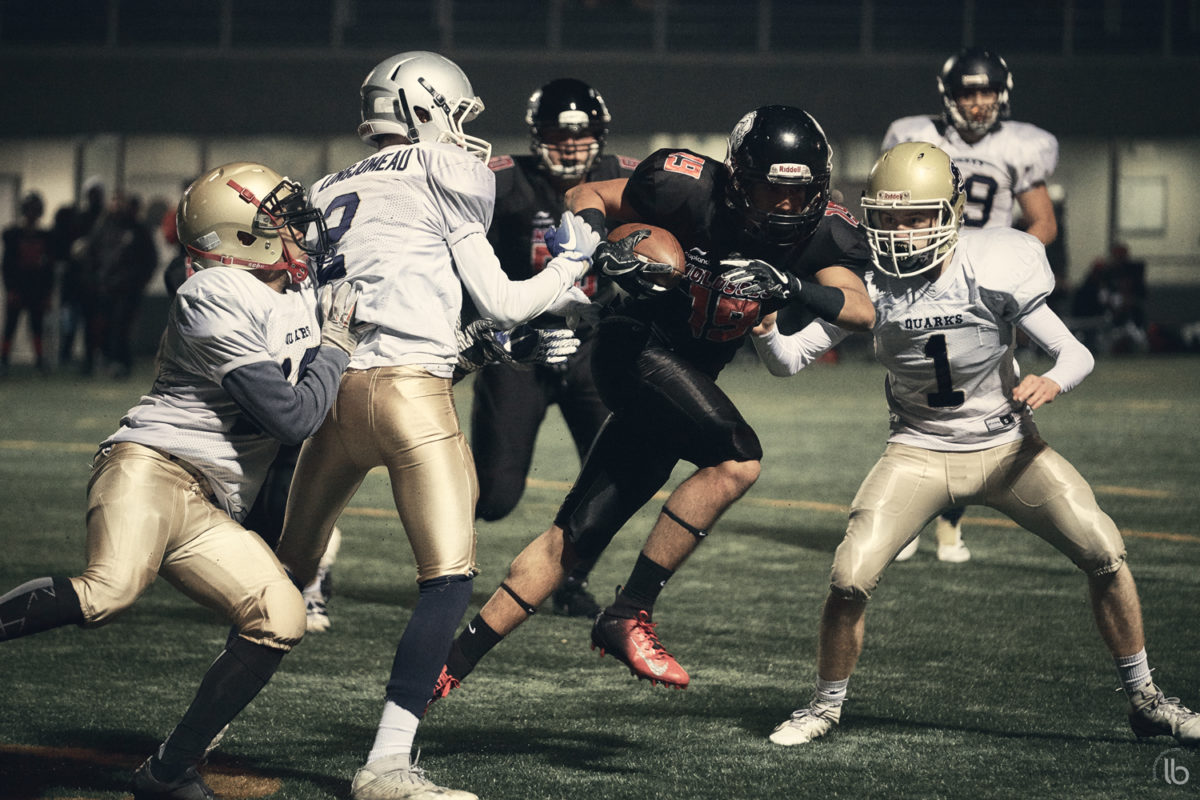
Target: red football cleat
446 683
634 642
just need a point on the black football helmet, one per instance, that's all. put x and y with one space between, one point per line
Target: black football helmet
969 70
564 107
776 152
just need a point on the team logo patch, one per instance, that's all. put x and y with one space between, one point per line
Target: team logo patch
500 162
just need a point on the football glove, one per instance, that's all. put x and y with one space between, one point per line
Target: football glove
617 258
751 276
572 235
481 343
337 317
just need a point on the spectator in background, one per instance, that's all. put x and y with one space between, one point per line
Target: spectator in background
125 256
28 277
1109 307
73 227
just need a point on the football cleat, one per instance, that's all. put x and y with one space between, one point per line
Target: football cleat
1151 713
187 786
316 618
572 599
446 683
393 778
909 550
634 643
806 724
950 544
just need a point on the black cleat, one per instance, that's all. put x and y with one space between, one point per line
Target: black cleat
187 786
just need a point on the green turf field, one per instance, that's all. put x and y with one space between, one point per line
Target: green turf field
981 680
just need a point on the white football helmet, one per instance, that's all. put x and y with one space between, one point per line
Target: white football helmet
247 216
912 176
423 97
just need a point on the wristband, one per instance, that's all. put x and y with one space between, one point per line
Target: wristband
824 301
595 218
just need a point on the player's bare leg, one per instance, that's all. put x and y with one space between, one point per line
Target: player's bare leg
533 575
624 628
839 644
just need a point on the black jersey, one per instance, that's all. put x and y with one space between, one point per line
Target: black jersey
703 318
527 203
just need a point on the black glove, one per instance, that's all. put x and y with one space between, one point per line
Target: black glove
754 277
617 258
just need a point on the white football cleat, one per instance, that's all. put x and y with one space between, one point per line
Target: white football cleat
909 550
316 618
1151 713
806 724
950 544
393 778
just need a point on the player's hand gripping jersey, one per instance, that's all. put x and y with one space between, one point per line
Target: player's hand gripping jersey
528 203
704 318
1011 159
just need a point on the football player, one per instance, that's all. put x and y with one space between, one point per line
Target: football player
409 223
1004 163
245 363
568 123
760 234
962 427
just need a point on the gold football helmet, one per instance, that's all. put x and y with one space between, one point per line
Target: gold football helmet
912 177
248 216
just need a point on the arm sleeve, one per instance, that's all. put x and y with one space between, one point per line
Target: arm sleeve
787 355
506 302
1072 361
288 413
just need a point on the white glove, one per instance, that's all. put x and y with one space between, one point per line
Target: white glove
551 346
572 235
576 306
337 317
758 278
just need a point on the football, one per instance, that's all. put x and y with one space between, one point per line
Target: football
660 247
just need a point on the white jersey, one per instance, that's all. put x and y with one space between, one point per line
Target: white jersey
948 345
220 320
1011 159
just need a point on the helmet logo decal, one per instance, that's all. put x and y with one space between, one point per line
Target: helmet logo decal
893 196
209 241
572 118
741 129
789 172
976 80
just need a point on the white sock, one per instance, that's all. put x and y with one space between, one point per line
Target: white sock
831 691
1134 671
397 729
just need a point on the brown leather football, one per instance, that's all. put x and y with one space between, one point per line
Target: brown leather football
660 247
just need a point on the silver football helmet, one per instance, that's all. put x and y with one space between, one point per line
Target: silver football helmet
248 216
912 177
423 97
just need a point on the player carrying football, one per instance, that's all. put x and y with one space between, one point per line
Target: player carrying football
760 234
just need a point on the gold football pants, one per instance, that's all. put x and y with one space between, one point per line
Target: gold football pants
404 419
149 514
1027 480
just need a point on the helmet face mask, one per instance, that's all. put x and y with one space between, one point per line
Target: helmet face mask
423 97
963 78
568 123
247 216
912 209
779 164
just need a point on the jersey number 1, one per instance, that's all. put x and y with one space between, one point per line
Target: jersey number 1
945 396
